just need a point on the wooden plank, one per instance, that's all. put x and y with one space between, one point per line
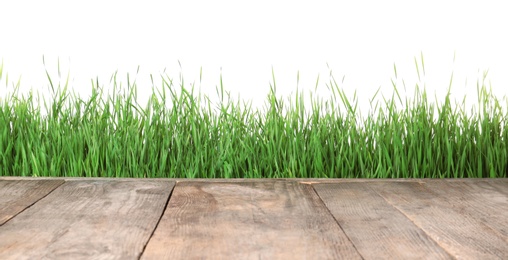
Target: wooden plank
10 178
462 235
378 230
500 185
87 220
250 220
485 201
341 180
17 195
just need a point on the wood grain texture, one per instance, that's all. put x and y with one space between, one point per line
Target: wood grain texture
16 196
484 201
462 234
250 220
87 220
378 230
499 185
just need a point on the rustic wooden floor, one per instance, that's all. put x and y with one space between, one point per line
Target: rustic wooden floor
60 218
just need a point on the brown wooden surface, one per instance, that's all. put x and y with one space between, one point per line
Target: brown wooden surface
484 201
461 233
16 196
250 220
87 220
101 218
498 186
376 228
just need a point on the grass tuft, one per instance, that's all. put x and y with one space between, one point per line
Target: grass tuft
179 133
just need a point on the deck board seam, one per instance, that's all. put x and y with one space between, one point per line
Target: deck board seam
414 223
31 205
334 219
158 221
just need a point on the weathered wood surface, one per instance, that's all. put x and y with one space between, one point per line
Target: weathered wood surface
16 196
449 214
99 218
87 220
256 220
376 228
485 201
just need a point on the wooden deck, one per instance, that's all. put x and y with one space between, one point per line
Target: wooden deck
61 218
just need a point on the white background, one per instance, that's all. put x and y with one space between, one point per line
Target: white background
243 40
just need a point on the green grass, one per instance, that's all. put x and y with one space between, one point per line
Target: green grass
181 134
